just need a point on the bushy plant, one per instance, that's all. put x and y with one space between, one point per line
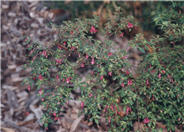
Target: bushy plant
108 89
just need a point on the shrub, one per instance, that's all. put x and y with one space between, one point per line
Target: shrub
108 87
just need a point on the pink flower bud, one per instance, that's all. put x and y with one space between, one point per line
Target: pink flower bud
82 65
54 114
87 56
57 77
44 53
163 71
124 57
159 76
112 108
64 43
122 85
109 119
42 99
56 118
101 77
147 82
127 72
109 54
130 25
40 77
90 95
82 105
93 61
58 61
40 91
129 82
68 80
59 47
128 109
105 109
122 34
146 121
93 30
110 73
29 88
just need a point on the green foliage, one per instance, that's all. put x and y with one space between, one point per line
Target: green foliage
108 89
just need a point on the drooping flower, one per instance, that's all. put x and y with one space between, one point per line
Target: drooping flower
130 25
93 30
122 34
82 104
146 121
109 54
93 61
129 82
128 109
40 77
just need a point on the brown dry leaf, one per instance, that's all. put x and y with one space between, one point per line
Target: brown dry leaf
7 129
76 123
